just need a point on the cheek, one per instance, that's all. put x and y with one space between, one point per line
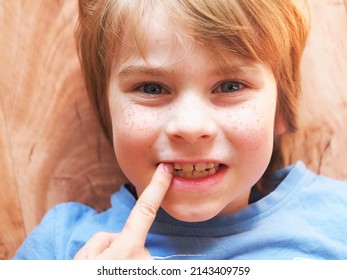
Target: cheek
251 128
133 130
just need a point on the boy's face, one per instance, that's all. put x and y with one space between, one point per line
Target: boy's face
172 102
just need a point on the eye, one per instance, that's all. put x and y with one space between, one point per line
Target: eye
229 86
152 88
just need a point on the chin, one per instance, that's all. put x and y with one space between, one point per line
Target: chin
187 214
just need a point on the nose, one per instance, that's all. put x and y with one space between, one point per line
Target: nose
191 120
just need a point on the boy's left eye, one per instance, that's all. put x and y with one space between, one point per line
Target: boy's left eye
229 86
152 88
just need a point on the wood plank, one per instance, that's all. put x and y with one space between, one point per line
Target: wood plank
12 224
52 144
322 137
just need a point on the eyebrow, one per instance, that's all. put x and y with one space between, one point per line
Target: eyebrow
133 70
238 68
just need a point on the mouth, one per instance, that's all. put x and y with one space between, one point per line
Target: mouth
195 171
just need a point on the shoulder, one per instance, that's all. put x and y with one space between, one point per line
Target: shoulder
328 193
65 216
310 183
323 200
318 199
77 223
54 228
327 189
69 213
329 182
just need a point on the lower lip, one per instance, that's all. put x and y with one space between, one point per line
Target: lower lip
199 184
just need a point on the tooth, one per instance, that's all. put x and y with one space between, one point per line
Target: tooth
200 167
212 171
199 170
177 166
188 167
183 174
197 174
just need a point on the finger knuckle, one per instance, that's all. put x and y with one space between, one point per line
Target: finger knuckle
99 236
147 209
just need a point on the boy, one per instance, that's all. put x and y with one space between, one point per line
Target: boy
195 96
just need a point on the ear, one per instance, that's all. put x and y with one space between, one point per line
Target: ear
280 125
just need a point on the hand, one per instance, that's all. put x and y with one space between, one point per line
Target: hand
130 242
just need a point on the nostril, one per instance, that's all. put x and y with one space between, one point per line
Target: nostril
191 137
191 129
191 134
206 137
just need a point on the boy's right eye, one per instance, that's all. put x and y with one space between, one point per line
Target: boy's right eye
152 88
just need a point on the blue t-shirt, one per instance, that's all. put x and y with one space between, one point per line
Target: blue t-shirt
305 217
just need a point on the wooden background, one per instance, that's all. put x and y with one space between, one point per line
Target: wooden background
51 148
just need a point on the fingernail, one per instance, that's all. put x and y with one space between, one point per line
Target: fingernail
168 167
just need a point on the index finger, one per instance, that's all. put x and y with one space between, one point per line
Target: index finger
143 214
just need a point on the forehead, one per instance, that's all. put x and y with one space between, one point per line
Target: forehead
152 34
157 39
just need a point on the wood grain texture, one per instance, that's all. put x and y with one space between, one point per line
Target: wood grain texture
322 136
51 148
50 143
